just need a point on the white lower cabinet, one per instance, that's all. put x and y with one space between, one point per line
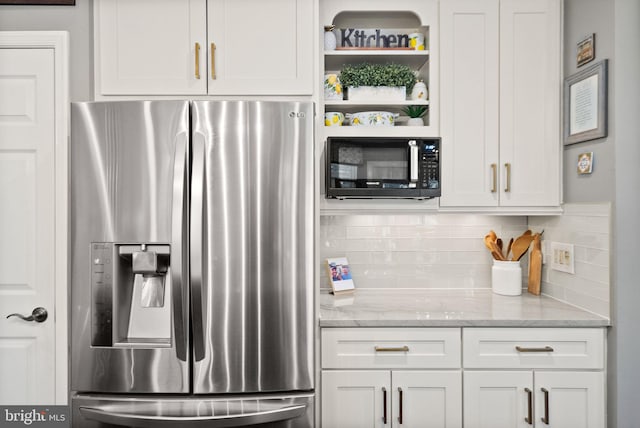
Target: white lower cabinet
511 399
391 377
484 378
380 398
534 377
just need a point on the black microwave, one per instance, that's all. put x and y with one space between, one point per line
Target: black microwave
378 167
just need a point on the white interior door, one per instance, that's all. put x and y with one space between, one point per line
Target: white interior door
27 225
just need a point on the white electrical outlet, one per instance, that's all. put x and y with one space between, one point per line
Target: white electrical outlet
561 257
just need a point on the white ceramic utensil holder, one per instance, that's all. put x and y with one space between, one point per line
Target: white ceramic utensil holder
506 278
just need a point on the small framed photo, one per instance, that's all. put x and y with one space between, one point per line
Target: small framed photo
586 50
585 104
340 275
585 163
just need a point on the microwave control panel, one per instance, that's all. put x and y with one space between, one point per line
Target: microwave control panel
430 166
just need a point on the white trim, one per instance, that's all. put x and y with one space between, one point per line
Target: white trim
59 42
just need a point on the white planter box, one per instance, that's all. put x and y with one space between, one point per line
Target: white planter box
377 93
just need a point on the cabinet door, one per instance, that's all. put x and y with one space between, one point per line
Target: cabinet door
498 399
570 399
427 399
260 47
148 47
469 102
530 94
356 399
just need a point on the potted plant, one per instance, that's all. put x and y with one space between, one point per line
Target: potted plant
387 82
415 114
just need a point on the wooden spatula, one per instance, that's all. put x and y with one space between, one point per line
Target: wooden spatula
520 246
535 266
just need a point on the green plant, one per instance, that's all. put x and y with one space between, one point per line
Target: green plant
415 111
366 74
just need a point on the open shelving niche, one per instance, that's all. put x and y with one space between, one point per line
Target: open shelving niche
407 15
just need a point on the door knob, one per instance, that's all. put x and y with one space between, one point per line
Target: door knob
38 315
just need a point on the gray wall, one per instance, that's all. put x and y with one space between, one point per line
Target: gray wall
624 336
616 178
77 20
583 17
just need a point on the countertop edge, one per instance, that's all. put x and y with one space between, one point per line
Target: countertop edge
465 323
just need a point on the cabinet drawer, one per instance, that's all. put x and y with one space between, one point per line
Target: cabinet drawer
391 348
576 348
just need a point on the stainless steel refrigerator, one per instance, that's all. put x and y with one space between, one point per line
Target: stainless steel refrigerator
192 301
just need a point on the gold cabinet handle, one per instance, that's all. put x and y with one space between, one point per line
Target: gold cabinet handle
197 60
508 167
213 61
545 418
545 349
494 174
404 348
529 418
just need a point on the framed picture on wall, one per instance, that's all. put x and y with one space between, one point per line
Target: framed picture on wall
586 50
40 2
585 104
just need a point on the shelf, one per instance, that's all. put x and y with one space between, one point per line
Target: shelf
380 131
348 103
334 60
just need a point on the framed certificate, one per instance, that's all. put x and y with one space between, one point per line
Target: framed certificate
585 104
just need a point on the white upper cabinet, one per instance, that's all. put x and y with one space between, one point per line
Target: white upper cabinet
200 47
500 103
260 47
148 47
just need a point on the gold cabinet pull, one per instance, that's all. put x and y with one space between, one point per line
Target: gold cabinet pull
213 61
404 348
197 60
529 418
545 349
494 175
508 167
545 418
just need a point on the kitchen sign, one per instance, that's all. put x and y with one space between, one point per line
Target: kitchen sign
373 38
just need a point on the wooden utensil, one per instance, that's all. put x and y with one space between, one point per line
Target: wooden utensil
535 266
506 255
520 246
493 248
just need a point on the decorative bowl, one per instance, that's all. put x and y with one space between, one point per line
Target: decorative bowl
372 118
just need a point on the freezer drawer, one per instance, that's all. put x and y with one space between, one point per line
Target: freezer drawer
264 411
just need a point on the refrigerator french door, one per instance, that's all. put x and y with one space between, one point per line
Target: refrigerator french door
192 264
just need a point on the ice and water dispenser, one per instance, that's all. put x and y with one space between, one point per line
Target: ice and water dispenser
131 294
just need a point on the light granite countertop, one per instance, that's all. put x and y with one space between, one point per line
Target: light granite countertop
450 308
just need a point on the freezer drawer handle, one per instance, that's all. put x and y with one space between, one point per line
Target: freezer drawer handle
523 349
404 348
219 421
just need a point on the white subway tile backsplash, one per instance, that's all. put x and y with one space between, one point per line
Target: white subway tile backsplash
447 250
415 251
587 227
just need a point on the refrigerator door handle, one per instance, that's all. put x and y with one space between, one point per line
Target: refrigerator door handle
123 418
196 240
178 246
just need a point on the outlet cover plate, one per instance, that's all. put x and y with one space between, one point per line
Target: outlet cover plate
561 257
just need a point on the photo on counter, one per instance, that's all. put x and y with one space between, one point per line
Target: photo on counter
340 275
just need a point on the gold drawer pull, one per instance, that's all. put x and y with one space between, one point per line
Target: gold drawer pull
197 60
404 348
545 349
